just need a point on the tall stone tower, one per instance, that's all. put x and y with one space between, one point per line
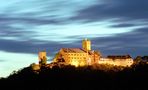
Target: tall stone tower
42 58
86 44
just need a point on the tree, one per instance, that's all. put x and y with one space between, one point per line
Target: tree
138 59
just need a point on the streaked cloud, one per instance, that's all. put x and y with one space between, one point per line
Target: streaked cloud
123 10
133 43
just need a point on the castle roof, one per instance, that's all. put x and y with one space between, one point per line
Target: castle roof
119 56
73 50
79 50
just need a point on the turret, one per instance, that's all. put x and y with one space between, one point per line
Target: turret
42 58
86 44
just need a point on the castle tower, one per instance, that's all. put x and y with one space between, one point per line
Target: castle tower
86 44
42 58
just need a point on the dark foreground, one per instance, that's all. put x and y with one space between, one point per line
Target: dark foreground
81 78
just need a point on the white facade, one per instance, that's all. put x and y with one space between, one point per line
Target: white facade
117 62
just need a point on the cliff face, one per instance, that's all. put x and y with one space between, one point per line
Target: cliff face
69 77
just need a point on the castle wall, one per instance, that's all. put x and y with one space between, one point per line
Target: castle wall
78 59
117 62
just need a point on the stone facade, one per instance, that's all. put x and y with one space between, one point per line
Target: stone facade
120 60
78 56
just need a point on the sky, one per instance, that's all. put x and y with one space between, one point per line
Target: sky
115 27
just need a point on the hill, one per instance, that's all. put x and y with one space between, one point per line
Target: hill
69 77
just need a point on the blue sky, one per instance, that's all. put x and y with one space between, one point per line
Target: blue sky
29 26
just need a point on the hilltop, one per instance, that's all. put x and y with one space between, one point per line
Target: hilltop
86 77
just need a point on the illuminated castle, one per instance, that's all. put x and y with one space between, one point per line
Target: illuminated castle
84 56
78 56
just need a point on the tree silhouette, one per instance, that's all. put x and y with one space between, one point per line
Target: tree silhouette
88 77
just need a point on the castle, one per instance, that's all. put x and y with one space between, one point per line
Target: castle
79 56
85 56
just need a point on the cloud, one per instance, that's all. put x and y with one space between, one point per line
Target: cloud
1 60
133 43
122 25
35 19
33 47
124 10
33 24
57 9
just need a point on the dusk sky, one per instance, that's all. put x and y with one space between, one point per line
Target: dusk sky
28 26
